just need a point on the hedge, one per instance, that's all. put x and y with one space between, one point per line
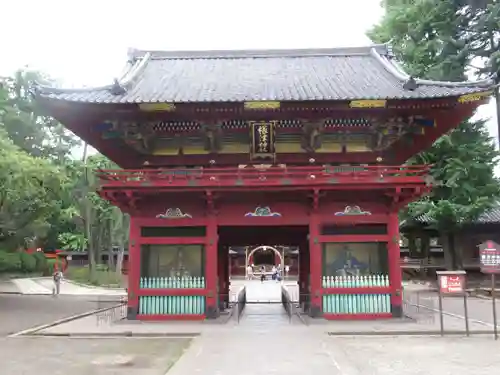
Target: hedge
21 262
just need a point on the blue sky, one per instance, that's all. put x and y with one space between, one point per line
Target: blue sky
85 43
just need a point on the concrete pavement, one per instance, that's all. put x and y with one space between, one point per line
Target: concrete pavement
259 345
44 285
8 287
18 312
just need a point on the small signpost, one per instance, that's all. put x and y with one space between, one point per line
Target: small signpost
489 256
452 283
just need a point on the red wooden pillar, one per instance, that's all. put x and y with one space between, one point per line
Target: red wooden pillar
134 269
220 276
301 279
395 277
226 277
315 265
211 256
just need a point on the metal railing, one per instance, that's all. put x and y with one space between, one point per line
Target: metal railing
241 301
420 306
256 176
287 302
110 311
434 263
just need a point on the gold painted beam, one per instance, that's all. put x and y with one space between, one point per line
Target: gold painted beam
474 97
367 103
262 105
157 107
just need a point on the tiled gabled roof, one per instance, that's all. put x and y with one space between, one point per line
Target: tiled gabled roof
491 216
266 75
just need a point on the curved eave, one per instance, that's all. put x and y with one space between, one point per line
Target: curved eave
125 82
51 101
121 91
395 69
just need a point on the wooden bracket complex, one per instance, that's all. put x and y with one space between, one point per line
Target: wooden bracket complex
315 203
209 196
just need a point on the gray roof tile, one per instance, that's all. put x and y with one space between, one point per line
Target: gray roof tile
491 216
283 75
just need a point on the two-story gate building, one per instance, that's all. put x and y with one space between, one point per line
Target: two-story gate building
301 148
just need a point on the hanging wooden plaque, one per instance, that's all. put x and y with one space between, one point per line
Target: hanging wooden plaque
262 135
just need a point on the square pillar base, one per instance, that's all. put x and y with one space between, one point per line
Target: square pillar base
397 311
315 311
211 312
132 312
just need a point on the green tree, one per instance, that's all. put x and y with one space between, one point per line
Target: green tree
432 40
98 224
28 195
47 197
25 121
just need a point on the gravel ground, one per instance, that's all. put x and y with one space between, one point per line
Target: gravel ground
414 355
62 356
18 312
479 308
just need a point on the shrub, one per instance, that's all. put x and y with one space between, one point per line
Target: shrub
102 267
28 262
50 265
41 261
102 278
10 262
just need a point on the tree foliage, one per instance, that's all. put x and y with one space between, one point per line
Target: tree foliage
45 192
444 40
29 193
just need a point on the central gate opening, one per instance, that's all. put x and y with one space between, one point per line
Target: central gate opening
266 261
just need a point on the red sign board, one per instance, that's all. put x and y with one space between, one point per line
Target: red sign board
451 284
489 256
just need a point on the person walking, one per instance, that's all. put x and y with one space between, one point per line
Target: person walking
249 272
274 272
262 274
287 269
57 276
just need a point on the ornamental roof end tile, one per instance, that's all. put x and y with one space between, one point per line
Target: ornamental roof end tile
353 73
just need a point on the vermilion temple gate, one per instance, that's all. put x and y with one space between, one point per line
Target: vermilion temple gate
215 141
349 242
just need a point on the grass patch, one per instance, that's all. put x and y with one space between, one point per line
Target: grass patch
9 276
102 277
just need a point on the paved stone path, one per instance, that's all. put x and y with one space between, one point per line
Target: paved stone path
264 310
266 343
18 312
43 286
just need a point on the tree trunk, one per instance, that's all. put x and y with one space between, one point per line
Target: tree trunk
110 244
412 245
119 263
123 235
497 101
88 216
90 239
453 260
425 244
